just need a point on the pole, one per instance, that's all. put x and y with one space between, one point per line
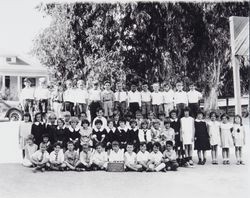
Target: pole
236 70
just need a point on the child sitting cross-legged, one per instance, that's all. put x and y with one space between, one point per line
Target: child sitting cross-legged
155 159
56 158
130 159
169 157
85 162
99 158
40 158
116 154
143 156
71 156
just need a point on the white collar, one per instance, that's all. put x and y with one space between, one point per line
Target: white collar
61 128
196 120
172 120
135 129
125 129
37 123
72 130
108 129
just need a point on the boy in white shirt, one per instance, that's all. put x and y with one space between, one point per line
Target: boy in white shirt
130 159
27 97
134 99
169 157
116 154
42 95
143 156
107 99
193 100
85 162
180 99
121 99
145 100
81 98
99 158
157 100
56 158
69 97
40 158
156 159
168 98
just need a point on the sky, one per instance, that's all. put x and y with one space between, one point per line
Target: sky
20 22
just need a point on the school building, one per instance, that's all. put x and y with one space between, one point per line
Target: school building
13 70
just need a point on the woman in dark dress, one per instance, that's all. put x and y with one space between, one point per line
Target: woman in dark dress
176 125
201 138
74 132
132 135
61 133
38 129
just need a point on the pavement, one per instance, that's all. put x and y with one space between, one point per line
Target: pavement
222 181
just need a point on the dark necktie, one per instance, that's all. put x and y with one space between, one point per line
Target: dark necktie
42 157
145 135
56 156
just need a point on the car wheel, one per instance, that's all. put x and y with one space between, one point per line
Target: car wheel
15 115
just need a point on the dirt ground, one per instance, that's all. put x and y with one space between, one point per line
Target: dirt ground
201 181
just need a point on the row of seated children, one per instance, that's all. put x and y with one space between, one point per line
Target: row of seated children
183 133
97 159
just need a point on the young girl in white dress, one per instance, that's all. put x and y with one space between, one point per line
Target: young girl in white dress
187 135
226 138
24 131
29 149
214 134
238 138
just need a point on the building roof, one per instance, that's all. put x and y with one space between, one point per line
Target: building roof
22 66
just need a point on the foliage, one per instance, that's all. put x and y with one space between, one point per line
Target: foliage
162 42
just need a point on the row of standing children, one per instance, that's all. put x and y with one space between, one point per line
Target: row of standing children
181 132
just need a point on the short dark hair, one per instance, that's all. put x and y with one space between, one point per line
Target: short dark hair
70 142
157 144
130 143
85 122
224 115
169 142
132 121
99 109
57 144
143 143
27 115
99 144
115 143
213 113
98 121
186 109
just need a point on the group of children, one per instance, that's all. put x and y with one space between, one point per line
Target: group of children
142 144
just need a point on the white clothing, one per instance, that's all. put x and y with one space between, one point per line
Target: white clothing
238 134
226 135
157 98
41 93
81 96
104 123
58 157
24 132
134 97
27 93
155 157
180 97
37 156
194 96
95 95
187 130
69 95
116 157
146 96
121 96
130 159
214 132
142 157
100 158
168 96
141 135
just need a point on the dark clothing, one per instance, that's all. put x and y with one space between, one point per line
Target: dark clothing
61 135
180 107
28 105
172 165
50 130
121 107
80 108
99 135
132 137
93 106
133 107
176 125
38 131
201 136
116 124
69 106
121 136
74 135
43 106
194 107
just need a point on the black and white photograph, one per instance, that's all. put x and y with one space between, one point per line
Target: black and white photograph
124 99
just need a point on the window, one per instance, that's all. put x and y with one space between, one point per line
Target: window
32 80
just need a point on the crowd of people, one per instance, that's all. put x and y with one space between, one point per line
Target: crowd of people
142 130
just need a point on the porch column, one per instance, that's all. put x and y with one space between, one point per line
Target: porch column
3 84
18 86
